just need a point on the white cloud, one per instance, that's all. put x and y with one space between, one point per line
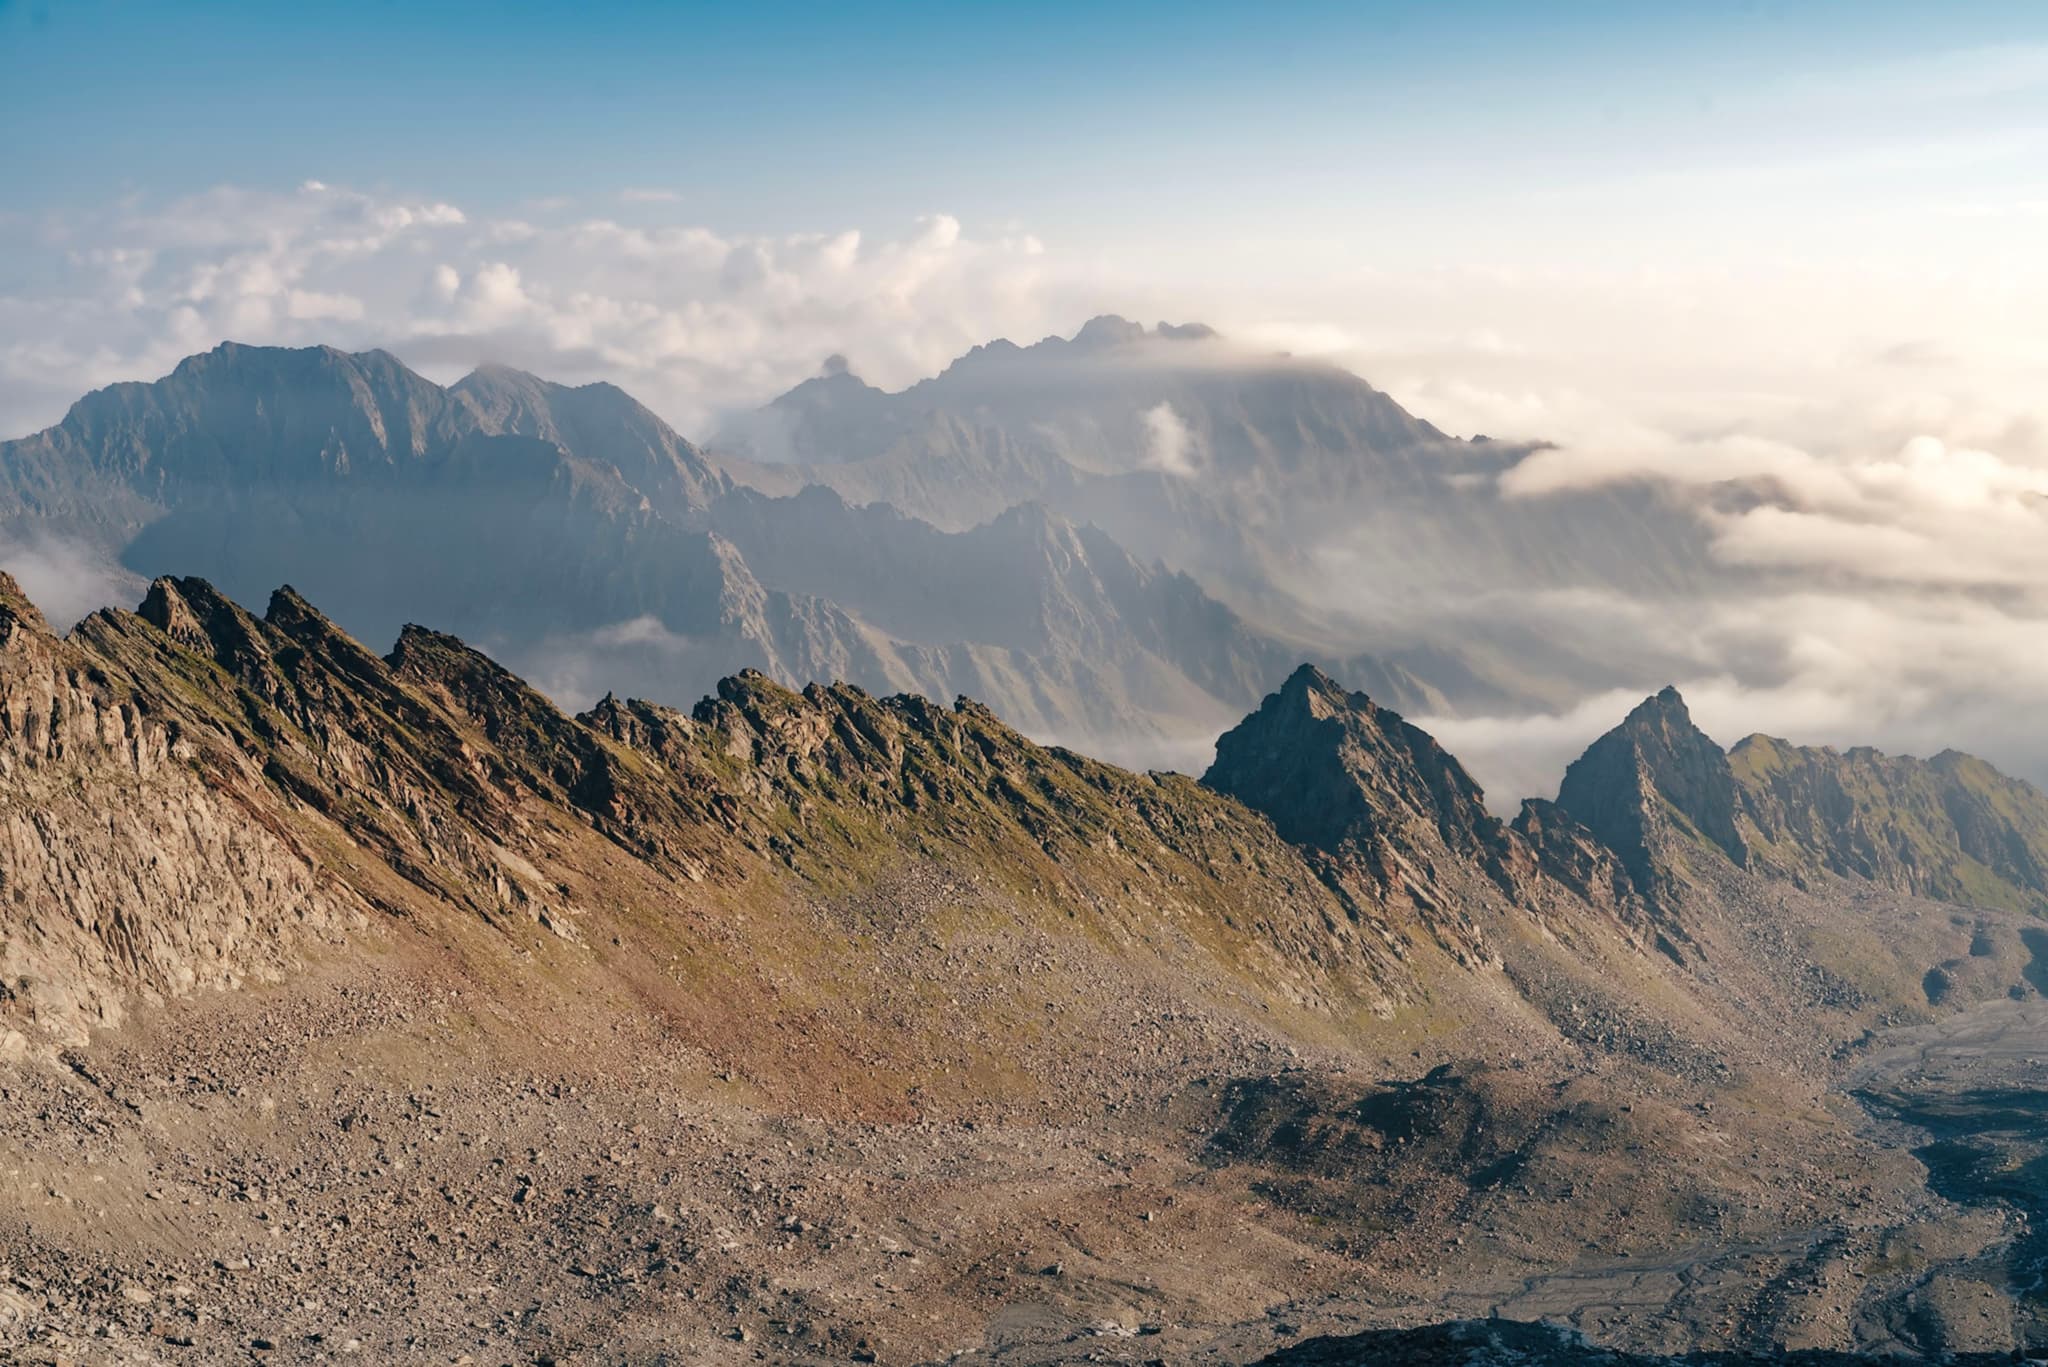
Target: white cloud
66 579
1168 444
311 305
691 320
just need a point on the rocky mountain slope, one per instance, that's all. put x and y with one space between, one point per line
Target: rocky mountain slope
1655 776
586 542
1953 828
362 1004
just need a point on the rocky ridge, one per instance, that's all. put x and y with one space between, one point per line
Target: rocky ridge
814 1026
1660 793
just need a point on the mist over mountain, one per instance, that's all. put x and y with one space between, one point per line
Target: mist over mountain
1122 538
1291 488
586 542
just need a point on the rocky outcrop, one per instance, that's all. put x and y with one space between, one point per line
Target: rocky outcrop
140 856
1574 857
1395 823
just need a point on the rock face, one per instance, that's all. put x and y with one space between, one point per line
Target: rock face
1396 825
137 857
1952 828
1654 787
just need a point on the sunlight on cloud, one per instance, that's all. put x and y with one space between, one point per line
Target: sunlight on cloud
691 320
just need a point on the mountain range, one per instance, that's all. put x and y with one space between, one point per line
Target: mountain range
1289 488
583 540
703 933
1121 540
428 893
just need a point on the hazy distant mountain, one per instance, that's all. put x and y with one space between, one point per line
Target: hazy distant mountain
575 534
1289 488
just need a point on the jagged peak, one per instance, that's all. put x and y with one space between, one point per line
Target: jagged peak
473 682
17 612
1666 706
168 607
1309 686
291 615
751 687
1656 759
198 616
1385 758
416 643
288 604
1662 721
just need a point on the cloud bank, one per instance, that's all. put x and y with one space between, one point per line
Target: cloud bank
1869 594
692 321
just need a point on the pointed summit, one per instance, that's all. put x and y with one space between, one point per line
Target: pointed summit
166 609
1654 776
1320 695
1389 810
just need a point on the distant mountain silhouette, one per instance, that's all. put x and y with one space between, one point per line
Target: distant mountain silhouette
577 536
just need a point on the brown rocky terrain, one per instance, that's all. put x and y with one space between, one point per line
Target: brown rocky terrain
362 1006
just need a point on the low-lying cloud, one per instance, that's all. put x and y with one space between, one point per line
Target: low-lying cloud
1169 447
66 578
1872 591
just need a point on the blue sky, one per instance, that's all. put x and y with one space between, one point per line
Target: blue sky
1078 119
